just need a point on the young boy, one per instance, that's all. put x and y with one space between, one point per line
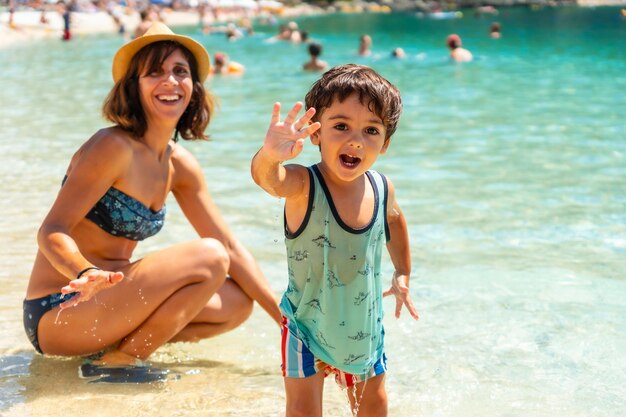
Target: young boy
338 217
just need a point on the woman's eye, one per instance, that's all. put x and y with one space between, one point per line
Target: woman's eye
182 71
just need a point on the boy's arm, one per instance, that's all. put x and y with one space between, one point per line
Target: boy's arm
283 141
400 253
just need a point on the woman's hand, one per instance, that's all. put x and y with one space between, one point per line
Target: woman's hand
400 289
88 285
285 140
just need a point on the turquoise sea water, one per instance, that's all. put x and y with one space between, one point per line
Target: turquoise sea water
510 170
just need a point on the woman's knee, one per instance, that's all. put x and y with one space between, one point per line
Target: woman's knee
211 259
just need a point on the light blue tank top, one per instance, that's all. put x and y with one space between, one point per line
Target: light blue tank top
334 296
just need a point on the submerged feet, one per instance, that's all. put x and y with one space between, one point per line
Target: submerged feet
116 357
128 374
116 367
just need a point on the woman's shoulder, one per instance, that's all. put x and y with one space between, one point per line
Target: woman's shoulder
110 142
112 139
181 155
183 161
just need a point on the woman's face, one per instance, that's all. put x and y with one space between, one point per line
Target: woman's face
166 92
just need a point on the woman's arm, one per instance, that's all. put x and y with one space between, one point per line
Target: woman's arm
94 168
190 190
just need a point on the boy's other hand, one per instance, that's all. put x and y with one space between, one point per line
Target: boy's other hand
400 289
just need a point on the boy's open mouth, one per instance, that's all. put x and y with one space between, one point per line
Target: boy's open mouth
349 160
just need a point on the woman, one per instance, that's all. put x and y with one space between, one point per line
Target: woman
113 196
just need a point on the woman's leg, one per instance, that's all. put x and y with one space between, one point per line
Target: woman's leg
227 309
159 296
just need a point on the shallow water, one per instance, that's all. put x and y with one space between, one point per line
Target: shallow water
510 171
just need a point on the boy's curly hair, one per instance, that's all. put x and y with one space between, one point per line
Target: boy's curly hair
381 97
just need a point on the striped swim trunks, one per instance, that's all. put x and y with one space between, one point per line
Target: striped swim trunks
299 362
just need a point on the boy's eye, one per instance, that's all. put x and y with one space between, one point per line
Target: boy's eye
371 131
341 126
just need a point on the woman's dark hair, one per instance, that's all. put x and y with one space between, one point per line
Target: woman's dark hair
123 105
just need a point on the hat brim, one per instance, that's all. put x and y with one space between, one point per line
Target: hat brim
126 53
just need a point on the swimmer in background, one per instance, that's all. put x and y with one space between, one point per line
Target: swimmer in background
494 30
288 32
398 53
457 53
223 65
365 43
144 23
315 64
233 33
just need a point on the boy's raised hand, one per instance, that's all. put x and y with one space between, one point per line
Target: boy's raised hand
400 289
285 140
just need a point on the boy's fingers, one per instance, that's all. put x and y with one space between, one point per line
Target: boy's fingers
291 116
310 129
412 309
399 304
275 113
305 119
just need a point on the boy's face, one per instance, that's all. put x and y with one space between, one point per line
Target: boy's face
350 139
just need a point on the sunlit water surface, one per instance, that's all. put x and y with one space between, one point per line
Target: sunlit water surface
510 171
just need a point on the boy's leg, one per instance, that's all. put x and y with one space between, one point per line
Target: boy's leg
304 395
369 398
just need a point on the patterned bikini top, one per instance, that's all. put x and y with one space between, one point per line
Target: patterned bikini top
121 215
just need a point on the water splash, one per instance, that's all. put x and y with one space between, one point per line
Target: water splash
351 393
56 319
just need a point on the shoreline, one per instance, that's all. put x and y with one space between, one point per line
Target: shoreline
27 26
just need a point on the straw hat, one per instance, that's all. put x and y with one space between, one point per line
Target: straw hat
159 32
